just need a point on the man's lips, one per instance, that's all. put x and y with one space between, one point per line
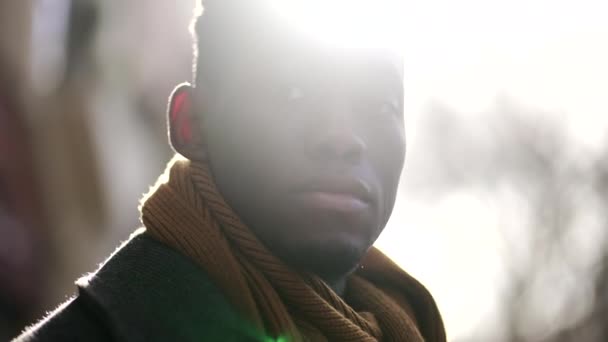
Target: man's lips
343 195
334 201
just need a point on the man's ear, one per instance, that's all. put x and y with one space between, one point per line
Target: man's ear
185 133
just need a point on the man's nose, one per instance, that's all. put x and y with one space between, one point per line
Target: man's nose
338 142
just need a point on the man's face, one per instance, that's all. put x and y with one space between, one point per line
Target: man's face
308 148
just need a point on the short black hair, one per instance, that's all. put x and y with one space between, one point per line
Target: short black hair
218 29
226 31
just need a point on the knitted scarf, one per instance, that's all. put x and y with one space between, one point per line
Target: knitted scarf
381 302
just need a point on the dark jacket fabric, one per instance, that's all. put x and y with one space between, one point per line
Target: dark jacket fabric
144 292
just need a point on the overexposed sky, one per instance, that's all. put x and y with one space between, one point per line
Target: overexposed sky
547 55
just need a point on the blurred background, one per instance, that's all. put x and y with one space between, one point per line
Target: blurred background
502 206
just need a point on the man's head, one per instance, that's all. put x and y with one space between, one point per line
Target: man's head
305 141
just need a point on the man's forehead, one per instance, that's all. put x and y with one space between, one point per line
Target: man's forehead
315 67
260 32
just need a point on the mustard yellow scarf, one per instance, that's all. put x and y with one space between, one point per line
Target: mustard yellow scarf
381 302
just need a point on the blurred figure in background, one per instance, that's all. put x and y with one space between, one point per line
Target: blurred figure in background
21 216
23 228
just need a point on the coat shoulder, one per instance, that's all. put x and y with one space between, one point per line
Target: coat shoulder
145 291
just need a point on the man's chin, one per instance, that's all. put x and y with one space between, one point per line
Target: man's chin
330 258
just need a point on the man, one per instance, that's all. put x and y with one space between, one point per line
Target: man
291 153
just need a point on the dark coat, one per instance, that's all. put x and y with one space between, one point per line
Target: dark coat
144 292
